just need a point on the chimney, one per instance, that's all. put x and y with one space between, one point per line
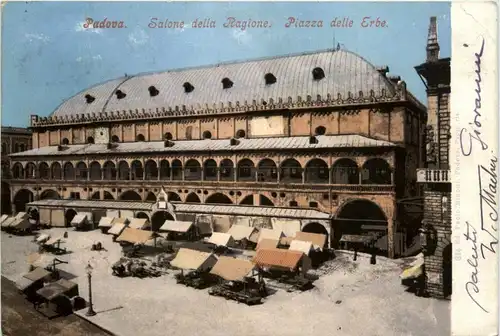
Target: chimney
394 79
383 70
432 41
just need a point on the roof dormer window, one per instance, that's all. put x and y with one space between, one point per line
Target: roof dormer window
89 99
153 91
188 87
270 79
318 74
120 94
227 83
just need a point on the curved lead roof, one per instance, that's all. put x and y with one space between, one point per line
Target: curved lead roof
345 72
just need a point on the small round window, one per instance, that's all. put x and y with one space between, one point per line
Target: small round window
320 130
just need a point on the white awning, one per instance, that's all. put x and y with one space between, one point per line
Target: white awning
270 234
106 222
221 239
117 229
301 246
176 226
239 232
138 223
194 260
80 218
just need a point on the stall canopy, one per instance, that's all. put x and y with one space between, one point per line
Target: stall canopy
20 223
301 246
81 218
54 240
286 241
360 239
117 229
22 215
42 238
287 226
135 236
270 234
139 223
4 217
194 260
267 243
318 240
8 221
37 274
120 220
240 232
176 226
278 258
221 239
56 289
106 222
233 269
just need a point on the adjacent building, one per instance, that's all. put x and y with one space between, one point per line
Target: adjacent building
325 136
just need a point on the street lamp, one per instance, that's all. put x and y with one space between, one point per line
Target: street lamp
90 311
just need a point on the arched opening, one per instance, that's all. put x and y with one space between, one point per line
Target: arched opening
164 170
137 170
30 170
267 171
151 170
173 197
109 170
248 200
207 135
65 141
140 137
265 201
5 170
130 195
246 170
362 218
142 215
81 171
168 136
159 218
50 194
44 171
22 198
4 148
6 207
151 197
218 198
345 171
317 171
291 171
115 138
316 228
376 171
192 170
176 170
68 216
96 195
69 171
123 171
108 196
56 171
95 171
240 133
320 130
447 270
17 171
90 140
210 170
192 198
226 170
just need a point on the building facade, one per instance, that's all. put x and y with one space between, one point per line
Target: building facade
436 177
325 131
14 140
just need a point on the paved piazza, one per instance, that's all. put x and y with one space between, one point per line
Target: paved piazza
350 298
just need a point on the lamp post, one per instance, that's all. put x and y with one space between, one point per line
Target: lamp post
90 311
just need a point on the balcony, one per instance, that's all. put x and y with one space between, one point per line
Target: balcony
425 175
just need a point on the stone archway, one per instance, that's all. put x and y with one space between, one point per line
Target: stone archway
248 200
173 197
142 215
108 196
218 198
447 270
151 197
192 198
130 195
265 201
315 227
159 218
22 197
68 217
96 195
50 194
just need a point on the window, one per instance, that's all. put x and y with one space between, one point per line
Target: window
240 134
89 99
313 204
90 140
4 148
227 83
320 130
168 136
22 148
16 148
153 91
65 141
318 74
140 137
115 138
293 203
120 94
270 79
188 87
207 135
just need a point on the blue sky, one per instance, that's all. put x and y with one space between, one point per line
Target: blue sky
47 55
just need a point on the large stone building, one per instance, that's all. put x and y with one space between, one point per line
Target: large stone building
436 177
14 140
325 137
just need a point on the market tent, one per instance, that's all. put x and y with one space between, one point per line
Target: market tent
267 243
54 240
194 260
317 239
287 226
106 222
81 218
58 288
278 258
117 229
176 226
121 220
4 217
42 238
135 236
270 234
233 269
240 232
139 223
221 239
301 246
8 221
